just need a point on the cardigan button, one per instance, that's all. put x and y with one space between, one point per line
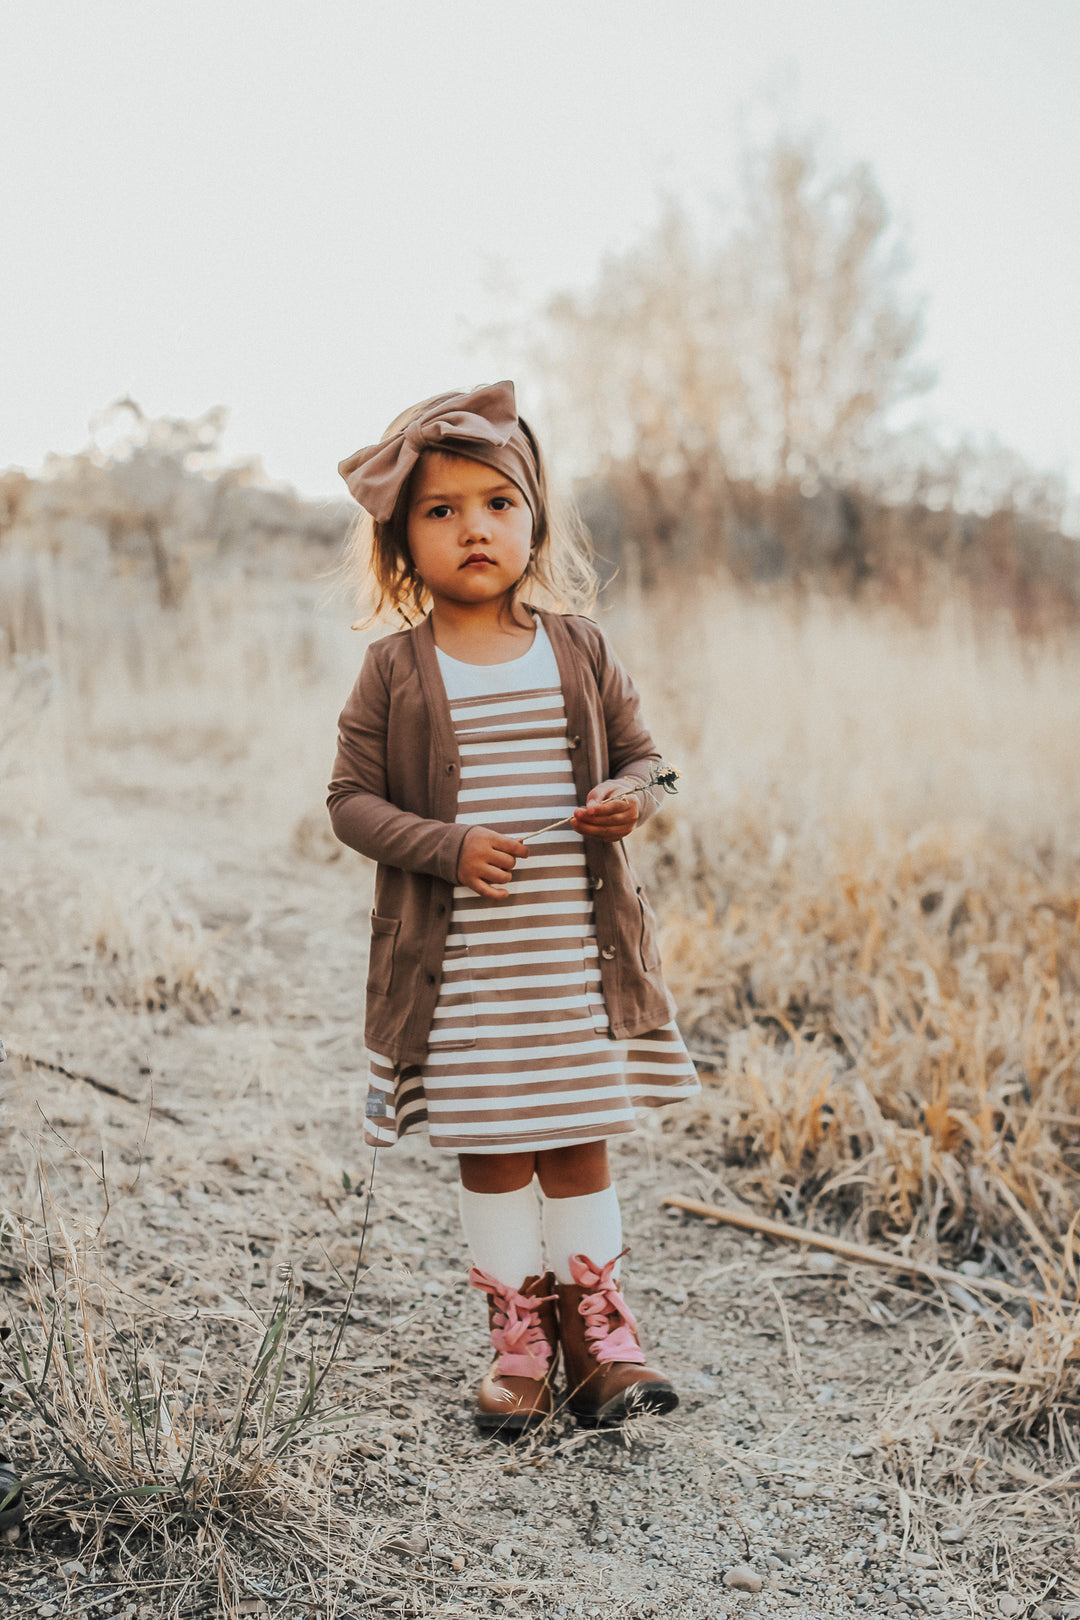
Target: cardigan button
572 742
608 954
431 978
598 883
450 769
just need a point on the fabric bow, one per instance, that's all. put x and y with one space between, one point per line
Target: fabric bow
608 1340
482 425
517 1335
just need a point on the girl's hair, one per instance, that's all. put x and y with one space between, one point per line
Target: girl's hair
380 572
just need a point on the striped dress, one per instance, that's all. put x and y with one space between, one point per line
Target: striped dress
520 1056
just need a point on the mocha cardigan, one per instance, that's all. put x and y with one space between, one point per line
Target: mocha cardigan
394 798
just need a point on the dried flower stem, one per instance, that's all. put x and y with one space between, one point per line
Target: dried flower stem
661 775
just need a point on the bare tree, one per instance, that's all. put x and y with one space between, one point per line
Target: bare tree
826 334
774 347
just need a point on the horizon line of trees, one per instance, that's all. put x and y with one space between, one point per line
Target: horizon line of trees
728 396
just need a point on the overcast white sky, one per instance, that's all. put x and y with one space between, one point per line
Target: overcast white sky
299 210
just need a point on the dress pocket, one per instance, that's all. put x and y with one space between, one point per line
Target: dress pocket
454 1024
384 933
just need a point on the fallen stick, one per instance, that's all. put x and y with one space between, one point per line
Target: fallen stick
860 1252
98 1085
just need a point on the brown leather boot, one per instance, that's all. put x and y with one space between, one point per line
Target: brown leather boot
516 1394
606 1376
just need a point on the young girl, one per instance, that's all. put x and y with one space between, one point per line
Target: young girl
515 1003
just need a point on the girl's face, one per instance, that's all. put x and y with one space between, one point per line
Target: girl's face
469 529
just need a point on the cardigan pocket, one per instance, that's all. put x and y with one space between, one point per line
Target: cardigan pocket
384 933
650 951
454 1024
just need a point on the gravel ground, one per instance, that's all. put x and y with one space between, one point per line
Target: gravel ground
762 1494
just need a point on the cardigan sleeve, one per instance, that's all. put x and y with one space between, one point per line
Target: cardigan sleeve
631 749
361 814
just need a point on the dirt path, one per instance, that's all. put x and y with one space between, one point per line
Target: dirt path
784 1362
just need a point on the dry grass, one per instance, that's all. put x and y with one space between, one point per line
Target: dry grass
985 1447
872 917
870 894
176 1457
871 910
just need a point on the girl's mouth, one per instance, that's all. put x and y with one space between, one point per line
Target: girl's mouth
478 561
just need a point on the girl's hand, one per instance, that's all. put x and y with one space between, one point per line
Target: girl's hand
487 859
604 817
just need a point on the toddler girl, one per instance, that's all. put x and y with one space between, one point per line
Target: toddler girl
491 759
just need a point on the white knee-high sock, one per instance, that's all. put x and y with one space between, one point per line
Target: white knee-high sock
503 1233
591 1225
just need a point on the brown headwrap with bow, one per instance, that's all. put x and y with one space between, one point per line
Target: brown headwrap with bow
482 425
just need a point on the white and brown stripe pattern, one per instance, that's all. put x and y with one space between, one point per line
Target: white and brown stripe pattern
519 1053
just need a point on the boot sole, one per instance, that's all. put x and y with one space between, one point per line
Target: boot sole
629 1403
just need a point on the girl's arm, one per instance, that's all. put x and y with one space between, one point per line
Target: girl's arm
360 812
631 754
631 749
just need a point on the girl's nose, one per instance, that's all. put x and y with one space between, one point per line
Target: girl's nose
475 527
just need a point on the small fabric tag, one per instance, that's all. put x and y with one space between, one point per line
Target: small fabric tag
377 1106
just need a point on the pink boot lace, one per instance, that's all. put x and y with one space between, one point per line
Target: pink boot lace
607 1343
517 1335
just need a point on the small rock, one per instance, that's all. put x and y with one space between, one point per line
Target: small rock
821 1261
803 1489
742 1578
457 1562
952 1536
72 1567
503 1551
860 1451
869 1504
415 1543
1007 1604
47 1610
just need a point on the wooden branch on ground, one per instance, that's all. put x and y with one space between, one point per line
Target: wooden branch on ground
861 1253
98 1085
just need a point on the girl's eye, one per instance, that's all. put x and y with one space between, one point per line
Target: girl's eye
501 502
438 511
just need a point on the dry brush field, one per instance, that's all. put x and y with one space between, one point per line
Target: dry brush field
870 896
